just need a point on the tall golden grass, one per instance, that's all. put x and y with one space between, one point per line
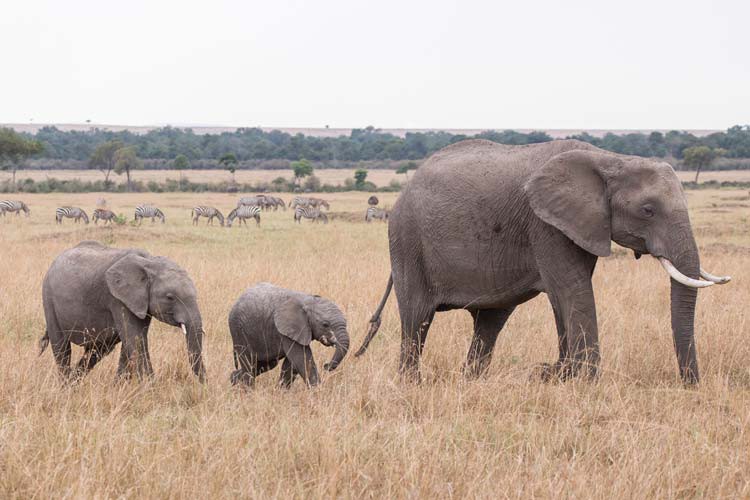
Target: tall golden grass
636 432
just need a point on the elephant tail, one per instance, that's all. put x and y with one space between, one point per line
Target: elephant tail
43 343
375 320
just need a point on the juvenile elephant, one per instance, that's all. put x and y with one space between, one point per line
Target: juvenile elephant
486 227
269 323
96 297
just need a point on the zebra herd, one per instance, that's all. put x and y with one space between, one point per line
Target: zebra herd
249 207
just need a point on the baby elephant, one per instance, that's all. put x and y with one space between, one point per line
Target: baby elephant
269 323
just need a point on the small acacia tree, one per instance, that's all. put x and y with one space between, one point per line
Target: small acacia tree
126 160
104 158
699 157
360 176
14 149
301 169
229 162
181 163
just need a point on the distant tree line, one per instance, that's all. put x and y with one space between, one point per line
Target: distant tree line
368 144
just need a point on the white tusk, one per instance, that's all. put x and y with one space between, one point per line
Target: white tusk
184 330
720 280
681 278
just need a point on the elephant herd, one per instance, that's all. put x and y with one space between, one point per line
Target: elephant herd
481 226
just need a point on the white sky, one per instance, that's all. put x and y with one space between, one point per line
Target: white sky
346 63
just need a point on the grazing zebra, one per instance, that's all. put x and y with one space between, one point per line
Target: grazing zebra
103 214
278 202
309 213
146 212
319 202
299 201
74 213
376 213
14 206
244 212
209 212
251 201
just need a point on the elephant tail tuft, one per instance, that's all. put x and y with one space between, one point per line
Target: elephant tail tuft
43 343
375 320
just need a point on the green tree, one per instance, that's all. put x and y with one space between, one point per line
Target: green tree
360 176
404 169
229 162
104 158
14 149
126 160
279 184
699 157
181 163
301 169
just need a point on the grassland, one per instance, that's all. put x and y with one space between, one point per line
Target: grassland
636 433
334 176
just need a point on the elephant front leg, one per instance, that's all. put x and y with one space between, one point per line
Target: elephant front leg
134 335
301 359
287 374
487 325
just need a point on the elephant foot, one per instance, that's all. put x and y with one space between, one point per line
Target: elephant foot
552 372
241 377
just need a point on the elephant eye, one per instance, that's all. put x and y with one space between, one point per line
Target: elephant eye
170 297
326 324
648 211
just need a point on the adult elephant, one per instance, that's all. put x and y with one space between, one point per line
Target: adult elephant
96 297
486 227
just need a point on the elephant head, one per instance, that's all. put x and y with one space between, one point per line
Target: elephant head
157 287
314 317
594 197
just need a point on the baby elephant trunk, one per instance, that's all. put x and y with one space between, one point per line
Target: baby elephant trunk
342 347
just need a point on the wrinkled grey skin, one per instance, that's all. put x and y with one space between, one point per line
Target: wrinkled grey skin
486 227
269 323
96 297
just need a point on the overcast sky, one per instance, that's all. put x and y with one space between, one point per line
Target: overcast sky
391 64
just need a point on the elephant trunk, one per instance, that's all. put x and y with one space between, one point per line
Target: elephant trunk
342 347
683 300
194 338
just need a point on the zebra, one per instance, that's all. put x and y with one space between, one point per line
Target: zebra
74 213
376 213
14 206
103 214
244 212
209 212
148 211
278 202
319 202
309 213
251 201
299 201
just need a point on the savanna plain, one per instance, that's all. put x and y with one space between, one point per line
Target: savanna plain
637 432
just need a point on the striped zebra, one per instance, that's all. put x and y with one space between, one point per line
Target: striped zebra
103 214
244 212
14 206
376 213
299 201
74 213
319 203
148 212
309 213
278 202
251 201
209 212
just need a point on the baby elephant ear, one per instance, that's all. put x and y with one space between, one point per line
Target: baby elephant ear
569 192
290 319
127 281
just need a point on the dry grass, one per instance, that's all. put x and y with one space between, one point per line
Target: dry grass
635 433
334 176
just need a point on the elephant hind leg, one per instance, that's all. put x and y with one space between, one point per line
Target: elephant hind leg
62 351
93 354
487 325
415 324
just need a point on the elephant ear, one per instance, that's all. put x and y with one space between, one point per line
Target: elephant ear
570 193
127 280
290 319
